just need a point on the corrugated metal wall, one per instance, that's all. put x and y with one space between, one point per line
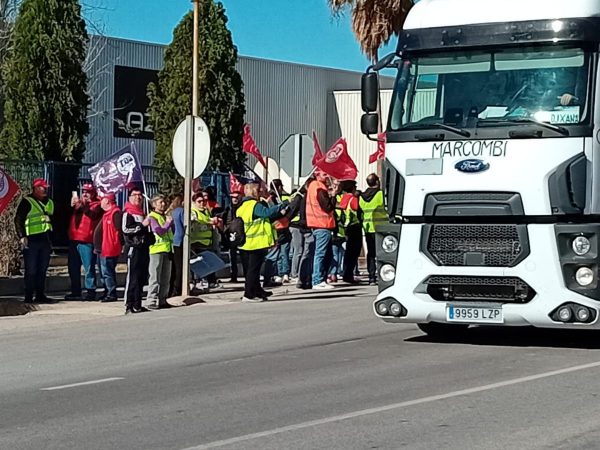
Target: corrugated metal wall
104 53
281 98
344 118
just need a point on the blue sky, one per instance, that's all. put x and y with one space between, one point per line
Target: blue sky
300 31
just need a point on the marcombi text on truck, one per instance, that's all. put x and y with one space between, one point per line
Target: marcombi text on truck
492 171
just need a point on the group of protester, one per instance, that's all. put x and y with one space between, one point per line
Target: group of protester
312 237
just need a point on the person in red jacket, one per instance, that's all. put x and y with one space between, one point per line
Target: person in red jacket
86 216
108 242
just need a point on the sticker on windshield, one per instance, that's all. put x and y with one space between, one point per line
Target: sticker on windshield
563 116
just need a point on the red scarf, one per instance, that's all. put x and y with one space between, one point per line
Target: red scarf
134 210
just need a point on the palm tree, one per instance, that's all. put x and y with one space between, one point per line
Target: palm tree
374 21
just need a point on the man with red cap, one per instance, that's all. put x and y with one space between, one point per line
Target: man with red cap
86 216
33 223
108 242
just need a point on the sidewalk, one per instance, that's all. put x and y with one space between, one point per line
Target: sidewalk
79 310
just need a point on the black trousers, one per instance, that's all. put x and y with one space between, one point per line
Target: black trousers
138 260
176 272
254 261
353 248
371 256
233 260
37 259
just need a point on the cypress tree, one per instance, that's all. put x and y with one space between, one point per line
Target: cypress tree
46 103
221 98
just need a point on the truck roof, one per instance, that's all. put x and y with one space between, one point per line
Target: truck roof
442 13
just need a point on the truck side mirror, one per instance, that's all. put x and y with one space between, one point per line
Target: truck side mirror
369 85
369 123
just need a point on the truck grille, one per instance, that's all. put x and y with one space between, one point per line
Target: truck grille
489 289
476 245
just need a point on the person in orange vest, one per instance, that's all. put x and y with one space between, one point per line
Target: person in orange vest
320 218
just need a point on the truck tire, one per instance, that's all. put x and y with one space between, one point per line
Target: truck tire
443 330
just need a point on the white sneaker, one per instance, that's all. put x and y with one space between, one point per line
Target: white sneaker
252 300
277 279
286 279
323 287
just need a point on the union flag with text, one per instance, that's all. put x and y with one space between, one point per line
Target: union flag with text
8 189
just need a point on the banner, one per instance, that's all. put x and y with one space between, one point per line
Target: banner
250 176
8 189
337 163
250 146
380 152
120 170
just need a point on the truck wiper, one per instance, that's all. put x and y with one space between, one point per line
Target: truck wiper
459 131
529 120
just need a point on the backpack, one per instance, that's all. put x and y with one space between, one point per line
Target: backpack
236 232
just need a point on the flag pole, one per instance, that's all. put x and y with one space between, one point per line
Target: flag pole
189 166
146 198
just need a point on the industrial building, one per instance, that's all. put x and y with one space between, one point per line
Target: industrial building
282 100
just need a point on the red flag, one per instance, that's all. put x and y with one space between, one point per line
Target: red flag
8 189
380 153
318 153
249 146
234 184
337 163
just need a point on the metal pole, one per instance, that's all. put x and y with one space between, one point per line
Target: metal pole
189 159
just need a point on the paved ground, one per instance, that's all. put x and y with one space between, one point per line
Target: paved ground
298 373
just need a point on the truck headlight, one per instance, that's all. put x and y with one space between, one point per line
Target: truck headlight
389 244
584 276
581 245
387 272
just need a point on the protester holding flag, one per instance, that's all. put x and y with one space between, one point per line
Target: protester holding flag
138 239
372 205
33 223
160 254
259 237
320 208
86 216
108 242
277 262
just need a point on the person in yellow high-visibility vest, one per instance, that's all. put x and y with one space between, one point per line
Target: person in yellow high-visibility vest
33 223
372 206
160 254
202 231
260 237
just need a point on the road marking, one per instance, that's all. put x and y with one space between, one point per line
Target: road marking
385 408
83 383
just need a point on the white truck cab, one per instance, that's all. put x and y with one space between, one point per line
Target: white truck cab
492 171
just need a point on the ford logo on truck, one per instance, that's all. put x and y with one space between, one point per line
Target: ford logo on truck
471 166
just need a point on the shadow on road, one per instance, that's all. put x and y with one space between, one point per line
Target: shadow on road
519 337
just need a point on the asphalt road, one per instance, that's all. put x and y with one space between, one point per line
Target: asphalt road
318 373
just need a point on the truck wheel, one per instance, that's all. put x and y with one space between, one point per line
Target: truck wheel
442 330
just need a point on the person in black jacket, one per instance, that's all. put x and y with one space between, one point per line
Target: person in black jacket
228 216
138 239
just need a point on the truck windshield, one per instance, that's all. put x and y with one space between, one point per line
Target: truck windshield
478 88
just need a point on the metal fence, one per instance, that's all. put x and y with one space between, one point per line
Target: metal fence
67 177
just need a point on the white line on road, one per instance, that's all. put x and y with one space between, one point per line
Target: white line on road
83 383
418 401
